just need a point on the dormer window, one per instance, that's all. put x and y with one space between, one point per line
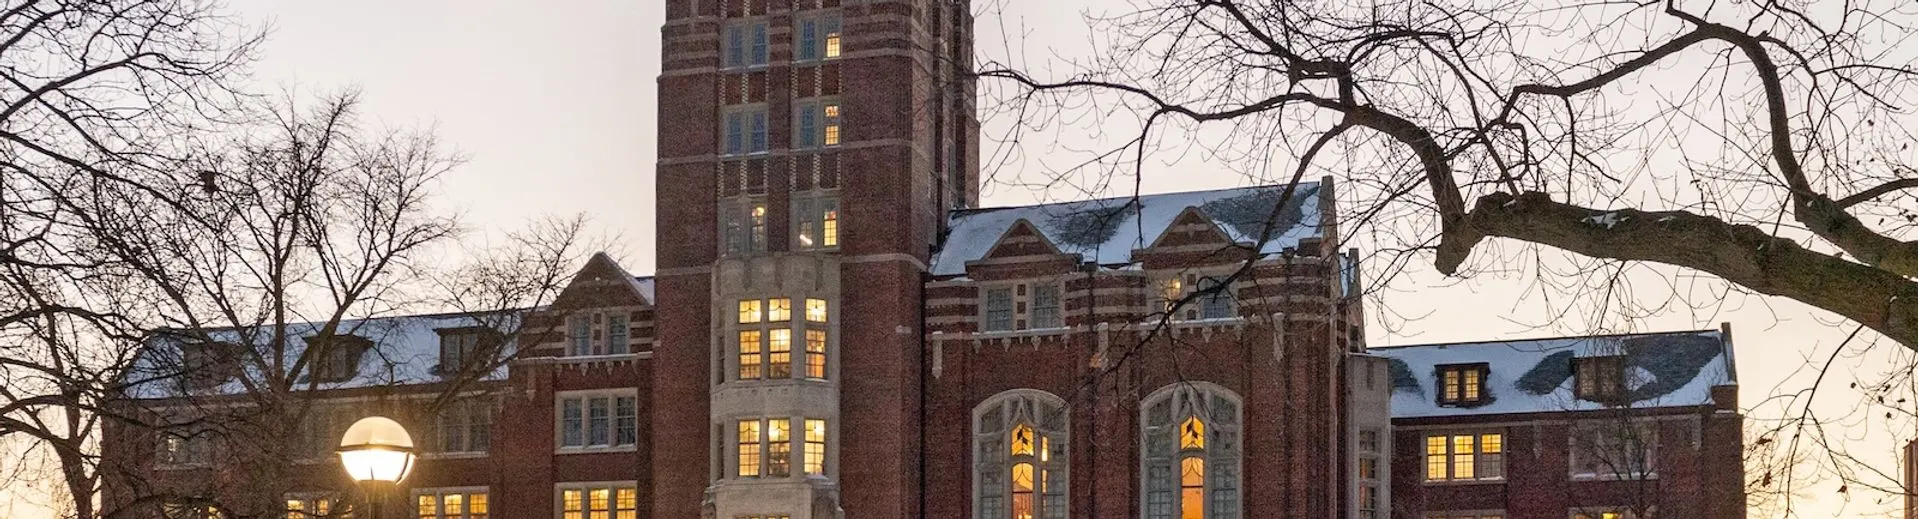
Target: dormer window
336 358
1462 384
1211 297
208 365
463 349
1600 378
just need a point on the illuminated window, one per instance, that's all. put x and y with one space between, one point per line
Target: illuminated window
831 138
816 37
1170 291
598 420
743 226
1462 384
779 447
1021 456
1465 457
188 510
1600 379
314 506
1371 477
452 503
1191 452
815 446
779 309
816 310
816 222
816 124
816 354
749 440
1604 513
749 311
779 353
599 501
1610 449
1210 297
750 351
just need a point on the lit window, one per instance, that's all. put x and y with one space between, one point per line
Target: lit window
311 506
779 353
817 222
815 446
749 311
998 309
816 310
749 354
831 137
1610 449
1021 457
186 510
779 309
1371 477
816 354
1465 457
590 420
619 501
816 37
1045 307
1600 379
748 466
452 504
832 38
816 123
1170 291
1191 452
1462 384
1604 513
779 447
743 226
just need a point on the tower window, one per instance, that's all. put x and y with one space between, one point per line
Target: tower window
817 222
817 124
745 44
743 226
744 130
816 38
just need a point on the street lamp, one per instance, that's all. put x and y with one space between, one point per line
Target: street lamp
377 453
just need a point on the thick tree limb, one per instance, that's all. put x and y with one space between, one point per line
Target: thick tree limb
1742 254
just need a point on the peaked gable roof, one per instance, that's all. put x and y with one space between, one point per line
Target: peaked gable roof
1673 369
1107 230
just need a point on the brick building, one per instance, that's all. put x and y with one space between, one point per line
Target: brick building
835 331
1600 427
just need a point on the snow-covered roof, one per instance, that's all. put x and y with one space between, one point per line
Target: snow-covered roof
1106 231
1675 369
644 284
405 350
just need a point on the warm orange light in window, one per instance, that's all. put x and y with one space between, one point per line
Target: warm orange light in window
816 310
749 311
1192 434
779 310
1192 488
829 223
1022 440
832 45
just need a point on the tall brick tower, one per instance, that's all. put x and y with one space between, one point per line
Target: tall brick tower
808 153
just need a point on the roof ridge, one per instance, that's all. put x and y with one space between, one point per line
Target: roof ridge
977 210
1539 339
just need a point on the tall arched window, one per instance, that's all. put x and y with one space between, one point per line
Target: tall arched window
1191 453
1019 456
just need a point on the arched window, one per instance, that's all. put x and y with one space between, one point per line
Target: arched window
1019 438
1191 453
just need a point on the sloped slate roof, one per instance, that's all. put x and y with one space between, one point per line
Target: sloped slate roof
405 351
1674 369
1107 230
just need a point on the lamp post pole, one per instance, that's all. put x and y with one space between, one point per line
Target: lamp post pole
377 453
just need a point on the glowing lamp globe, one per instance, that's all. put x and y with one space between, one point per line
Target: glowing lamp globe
377 449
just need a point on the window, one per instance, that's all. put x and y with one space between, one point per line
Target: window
1171 290
779 353
1020 454
464 426
1612 449
1191 453
1215 301
184 449
749 311
1604 513
452 503
618 334
1212 297
745 44
779 309
779 447
816 222
749 440
1465 457
744 130
589 421
336 358
320 430
816 354
816 37
815 446
998 309
815 310
599 500
1045 306
581 329
190 510
744 226
1600 379
816 124
208 365
1462 384
460 351
750 352
1370 476
313 506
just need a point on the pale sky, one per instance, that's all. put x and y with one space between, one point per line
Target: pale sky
554 104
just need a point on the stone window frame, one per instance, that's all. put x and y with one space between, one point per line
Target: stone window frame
799 324
311 505
827 45
754 120
1370 445
1221 411
1450 457
1644 434
829 127
736 215
439 494
753 47
797 445
589 333
820 210
1021 296
585 489
1050 418
1171 288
